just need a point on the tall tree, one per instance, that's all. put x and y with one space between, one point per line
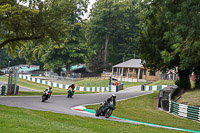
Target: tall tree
71 49
169 36
112 26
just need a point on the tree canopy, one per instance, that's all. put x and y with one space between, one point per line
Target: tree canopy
112 30
170 36
71 49
22 21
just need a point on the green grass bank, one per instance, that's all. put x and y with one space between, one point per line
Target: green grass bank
19 120
142 109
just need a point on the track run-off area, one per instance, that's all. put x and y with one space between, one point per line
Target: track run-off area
75 105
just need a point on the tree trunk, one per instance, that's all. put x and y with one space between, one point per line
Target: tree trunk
67 69
184 79
106 50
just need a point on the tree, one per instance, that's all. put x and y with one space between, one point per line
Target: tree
5 58
71 49
112 26
169 36
22 21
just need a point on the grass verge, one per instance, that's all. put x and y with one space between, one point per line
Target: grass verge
190 98
141 109
97 82
17 120
163 82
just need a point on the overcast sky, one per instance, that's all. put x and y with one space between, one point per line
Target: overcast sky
89 7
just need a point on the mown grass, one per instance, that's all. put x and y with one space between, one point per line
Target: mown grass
163 82
40 87
17 120
97 82
190 98
142 109
87 82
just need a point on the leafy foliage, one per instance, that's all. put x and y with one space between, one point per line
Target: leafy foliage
112 27
23 21
169 36
71 48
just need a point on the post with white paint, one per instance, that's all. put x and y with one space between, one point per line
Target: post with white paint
16 79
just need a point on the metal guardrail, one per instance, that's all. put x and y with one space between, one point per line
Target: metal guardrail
186 111
5 91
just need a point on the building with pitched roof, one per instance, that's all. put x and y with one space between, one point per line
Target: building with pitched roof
133 71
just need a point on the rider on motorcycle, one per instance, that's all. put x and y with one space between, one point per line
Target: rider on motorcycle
48 90
107 107
73 87
112 99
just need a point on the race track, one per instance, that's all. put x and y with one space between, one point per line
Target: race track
62 104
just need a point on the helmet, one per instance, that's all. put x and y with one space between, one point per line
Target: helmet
114 95
50 87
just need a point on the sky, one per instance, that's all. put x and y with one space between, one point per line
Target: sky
89 7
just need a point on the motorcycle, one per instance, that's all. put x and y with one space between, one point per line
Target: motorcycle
70 93
105 109
46 95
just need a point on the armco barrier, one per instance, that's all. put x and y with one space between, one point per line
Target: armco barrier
65 86
186 111
153 88
3 90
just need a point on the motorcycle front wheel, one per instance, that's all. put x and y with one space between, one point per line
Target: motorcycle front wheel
97 112
108 113
43 98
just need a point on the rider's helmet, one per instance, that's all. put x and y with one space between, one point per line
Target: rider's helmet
73 85
113 96
50 88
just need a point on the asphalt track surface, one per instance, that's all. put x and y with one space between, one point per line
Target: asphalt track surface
62 104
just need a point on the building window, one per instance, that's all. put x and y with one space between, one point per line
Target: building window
152 73
145 72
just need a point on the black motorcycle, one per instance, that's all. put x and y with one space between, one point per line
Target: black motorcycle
105 109
70 93
46 95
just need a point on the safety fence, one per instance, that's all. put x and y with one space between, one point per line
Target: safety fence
154 88
5 91
167 103
186 111
65 86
